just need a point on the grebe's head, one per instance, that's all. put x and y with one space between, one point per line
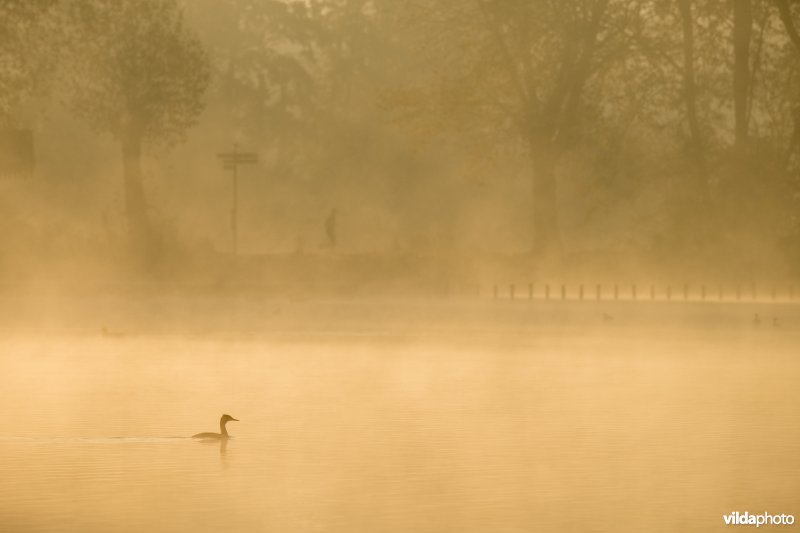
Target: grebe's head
228 418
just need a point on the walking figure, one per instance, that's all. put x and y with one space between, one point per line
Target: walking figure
330 229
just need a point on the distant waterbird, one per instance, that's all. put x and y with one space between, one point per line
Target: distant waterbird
111 334
223 431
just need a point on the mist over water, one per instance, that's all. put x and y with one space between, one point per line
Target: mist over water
544 417
494 266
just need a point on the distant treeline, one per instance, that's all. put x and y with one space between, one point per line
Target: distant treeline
668 129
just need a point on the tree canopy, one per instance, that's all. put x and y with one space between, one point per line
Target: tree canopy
136 67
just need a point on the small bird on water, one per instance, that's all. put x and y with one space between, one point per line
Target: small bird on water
111 333
223 431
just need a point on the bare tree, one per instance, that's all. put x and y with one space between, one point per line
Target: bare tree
530 67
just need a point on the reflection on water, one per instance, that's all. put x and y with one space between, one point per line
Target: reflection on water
519 432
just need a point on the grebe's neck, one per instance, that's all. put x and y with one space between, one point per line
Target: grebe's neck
222 429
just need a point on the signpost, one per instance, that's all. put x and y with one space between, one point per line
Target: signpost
231 161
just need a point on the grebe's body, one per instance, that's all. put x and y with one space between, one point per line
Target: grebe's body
223 431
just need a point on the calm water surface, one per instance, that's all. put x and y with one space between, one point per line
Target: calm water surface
608 429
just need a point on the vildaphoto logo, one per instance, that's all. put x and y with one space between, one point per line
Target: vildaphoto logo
758 520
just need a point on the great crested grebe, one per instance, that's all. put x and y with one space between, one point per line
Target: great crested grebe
223 431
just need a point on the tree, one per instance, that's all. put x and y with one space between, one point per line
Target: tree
742 32
698 145
297 81
139 74
26 53
529 69
285 70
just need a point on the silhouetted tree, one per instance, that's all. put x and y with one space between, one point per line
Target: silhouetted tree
742 32
139 74
26 53
697 142
286 70
530 70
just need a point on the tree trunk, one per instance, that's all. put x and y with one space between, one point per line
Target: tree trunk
544 189
690 98
742 31
555 127
135 204
785 12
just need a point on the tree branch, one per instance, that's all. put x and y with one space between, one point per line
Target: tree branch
786 18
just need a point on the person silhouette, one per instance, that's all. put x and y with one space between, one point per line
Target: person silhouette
330 229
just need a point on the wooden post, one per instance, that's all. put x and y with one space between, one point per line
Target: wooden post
580 291
669 292
511 291
652 292
685 291
703 292
547 292
616 292
563 292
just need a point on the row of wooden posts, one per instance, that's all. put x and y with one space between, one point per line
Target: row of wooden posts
683 292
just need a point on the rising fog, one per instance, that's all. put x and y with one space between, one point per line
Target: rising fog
474 142
445 265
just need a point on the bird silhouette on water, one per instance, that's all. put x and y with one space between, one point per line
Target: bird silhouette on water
111 334
223 431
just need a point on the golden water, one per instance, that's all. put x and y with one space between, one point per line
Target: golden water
562 428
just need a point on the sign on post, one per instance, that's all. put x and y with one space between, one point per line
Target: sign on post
231 161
